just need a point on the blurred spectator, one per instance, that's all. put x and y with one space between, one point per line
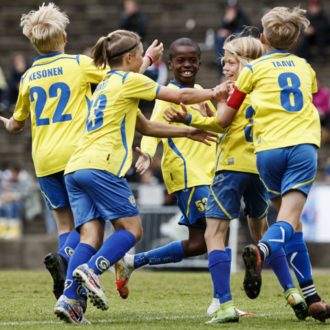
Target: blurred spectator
3 85
19 200
20 65
321 100
133 19
233 21
317 35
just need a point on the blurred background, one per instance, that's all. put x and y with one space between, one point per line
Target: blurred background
27 230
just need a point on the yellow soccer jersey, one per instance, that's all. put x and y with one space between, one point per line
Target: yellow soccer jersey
185 163
280 86
107 142
236 150
56 93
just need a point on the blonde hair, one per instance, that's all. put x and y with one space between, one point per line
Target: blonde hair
45 28
283 26
244 49
109 50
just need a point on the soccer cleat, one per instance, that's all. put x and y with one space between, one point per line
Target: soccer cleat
214 306
56 265
70 311
86 277
319 310
297 303
253 264
123 270
225 314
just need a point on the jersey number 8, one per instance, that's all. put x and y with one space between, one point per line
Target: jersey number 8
291 95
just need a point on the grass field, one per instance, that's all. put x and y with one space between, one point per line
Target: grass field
158 300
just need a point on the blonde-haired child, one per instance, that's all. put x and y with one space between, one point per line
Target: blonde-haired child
56 92
286 138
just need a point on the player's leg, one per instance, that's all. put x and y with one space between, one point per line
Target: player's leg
281 269
55 193
296 178
219 267
223 205
191 202
114 202
272 165
256 206
71 305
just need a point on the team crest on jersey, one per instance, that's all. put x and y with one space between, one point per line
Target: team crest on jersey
68 251
230 160
132 200
68 284
102 264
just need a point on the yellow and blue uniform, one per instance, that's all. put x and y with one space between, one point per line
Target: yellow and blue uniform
95 173
280 86
55 92
236 171
187 165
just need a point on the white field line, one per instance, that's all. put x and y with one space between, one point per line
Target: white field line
130 320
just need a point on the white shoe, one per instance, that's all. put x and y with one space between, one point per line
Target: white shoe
214 306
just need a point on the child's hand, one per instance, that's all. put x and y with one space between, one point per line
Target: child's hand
155 51
220 92
204 109
143 162
173 115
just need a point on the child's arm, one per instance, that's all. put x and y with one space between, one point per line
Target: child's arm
193 119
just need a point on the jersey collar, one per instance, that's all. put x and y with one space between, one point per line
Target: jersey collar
47 56
175 83
276 51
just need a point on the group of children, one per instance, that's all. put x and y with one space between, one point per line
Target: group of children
82 148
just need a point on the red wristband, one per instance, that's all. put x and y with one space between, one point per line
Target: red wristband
150 58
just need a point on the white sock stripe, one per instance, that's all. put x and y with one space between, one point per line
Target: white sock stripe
308 287
294 266
309 291
264 248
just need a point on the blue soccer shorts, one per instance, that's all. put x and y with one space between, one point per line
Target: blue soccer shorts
98 194
290 168
192 204
227 190
54 190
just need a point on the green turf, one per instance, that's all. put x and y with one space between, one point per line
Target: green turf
158 300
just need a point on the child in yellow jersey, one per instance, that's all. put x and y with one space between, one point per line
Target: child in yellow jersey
286 137
236 178
55 92
94 176
187 167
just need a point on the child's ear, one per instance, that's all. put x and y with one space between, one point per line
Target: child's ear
170 66
263 39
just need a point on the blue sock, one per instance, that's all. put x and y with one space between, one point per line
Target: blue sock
172 252
61 241
275 238
298 258
219 266
112 250
82 253
228 251
281 269
67 248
